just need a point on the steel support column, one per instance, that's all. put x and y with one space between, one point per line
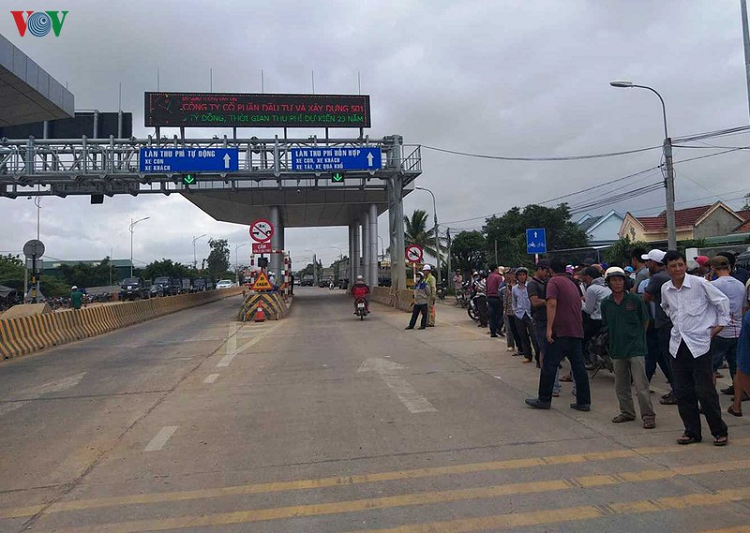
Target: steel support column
396 215
350 265
276 262
366 247
373 230
356 271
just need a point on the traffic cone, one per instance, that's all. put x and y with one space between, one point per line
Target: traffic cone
260 316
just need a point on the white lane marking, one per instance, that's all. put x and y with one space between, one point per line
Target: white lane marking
56 386
408 395
9 407
234 350
211 378
158 442
231 350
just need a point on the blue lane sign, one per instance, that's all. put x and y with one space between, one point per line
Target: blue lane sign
189 159
536 241
315 159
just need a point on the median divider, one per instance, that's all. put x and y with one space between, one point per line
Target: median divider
275 306
403 299
24 335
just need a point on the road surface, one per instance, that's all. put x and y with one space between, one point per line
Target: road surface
322 423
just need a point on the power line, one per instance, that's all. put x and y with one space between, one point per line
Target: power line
561 158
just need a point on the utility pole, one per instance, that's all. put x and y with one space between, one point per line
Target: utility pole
448 234
746 43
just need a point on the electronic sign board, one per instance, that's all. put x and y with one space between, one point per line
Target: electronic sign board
234 110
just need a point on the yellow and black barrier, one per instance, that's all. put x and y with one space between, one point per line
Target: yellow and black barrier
275 306
24 335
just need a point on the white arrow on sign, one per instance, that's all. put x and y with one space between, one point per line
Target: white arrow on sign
535 235
369 160
411 399
227 159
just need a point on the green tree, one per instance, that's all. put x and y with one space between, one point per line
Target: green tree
619 252
218 259
11 272
509 231
468 250
416 232
166 267
86 275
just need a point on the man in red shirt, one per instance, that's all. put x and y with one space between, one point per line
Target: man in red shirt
494 301
564 339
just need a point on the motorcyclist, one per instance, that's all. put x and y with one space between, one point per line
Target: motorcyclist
330 283
361 290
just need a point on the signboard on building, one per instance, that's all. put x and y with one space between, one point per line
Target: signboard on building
236 110
186 159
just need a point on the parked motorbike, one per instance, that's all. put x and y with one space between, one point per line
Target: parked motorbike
598 351
441 291
472 309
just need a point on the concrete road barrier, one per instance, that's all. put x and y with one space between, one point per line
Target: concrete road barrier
275 306
24 335
403 299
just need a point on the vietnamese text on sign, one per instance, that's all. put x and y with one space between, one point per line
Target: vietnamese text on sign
257 110
317 159
188 159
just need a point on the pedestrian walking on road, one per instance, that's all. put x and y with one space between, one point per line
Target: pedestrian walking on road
430 280
625 317
724 345
698 311
522 311
422 296
564 339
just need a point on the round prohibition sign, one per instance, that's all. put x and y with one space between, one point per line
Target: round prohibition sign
414 253
261 230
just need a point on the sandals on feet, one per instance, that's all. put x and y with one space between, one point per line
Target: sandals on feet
619 419
670 399
566 378
687 439
721 441
649 422
732 412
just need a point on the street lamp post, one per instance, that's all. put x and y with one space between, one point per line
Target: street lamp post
132 225
437 234
195 257
236 272
669 179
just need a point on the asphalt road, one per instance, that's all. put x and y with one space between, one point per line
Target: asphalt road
322 423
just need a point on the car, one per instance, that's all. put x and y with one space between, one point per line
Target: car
134 289
224 284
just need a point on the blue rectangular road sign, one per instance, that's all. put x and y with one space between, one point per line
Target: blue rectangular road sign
339 158
188 159
536 241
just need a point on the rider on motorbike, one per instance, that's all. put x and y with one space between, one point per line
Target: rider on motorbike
360 290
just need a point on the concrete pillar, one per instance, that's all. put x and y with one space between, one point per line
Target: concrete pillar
373 230
276 260
350 266
366 247
395 187
355 252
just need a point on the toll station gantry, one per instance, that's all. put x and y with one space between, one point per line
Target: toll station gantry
293 182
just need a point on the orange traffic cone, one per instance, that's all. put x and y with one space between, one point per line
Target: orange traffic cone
260 316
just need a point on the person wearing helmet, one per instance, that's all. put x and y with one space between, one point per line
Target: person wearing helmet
626 318
76 298
430 280
361 290
421 301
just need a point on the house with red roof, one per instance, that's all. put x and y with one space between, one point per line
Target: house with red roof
692 223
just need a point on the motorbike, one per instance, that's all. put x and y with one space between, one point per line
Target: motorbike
598 350
441 291
472 309
331 285
361 310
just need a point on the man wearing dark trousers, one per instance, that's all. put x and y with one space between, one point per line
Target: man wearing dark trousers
698 311
495 303
564 339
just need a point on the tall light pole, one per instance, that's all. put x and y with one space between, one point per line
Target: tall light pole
236 272
195 257
132 225
315 265
437 235
669 179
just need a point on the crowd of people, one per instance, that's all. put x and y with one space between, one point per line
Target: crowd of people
650 313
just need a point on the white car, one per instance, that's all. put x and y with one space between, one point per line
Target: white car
224 284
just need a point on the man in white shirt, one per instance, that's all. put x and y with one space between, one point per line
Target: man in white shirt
698 312
724 345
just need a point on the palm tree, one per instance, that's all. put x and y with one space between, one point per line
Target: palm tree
416 232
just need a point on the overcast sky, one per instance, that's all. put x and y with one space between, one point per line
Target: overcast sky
513 78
